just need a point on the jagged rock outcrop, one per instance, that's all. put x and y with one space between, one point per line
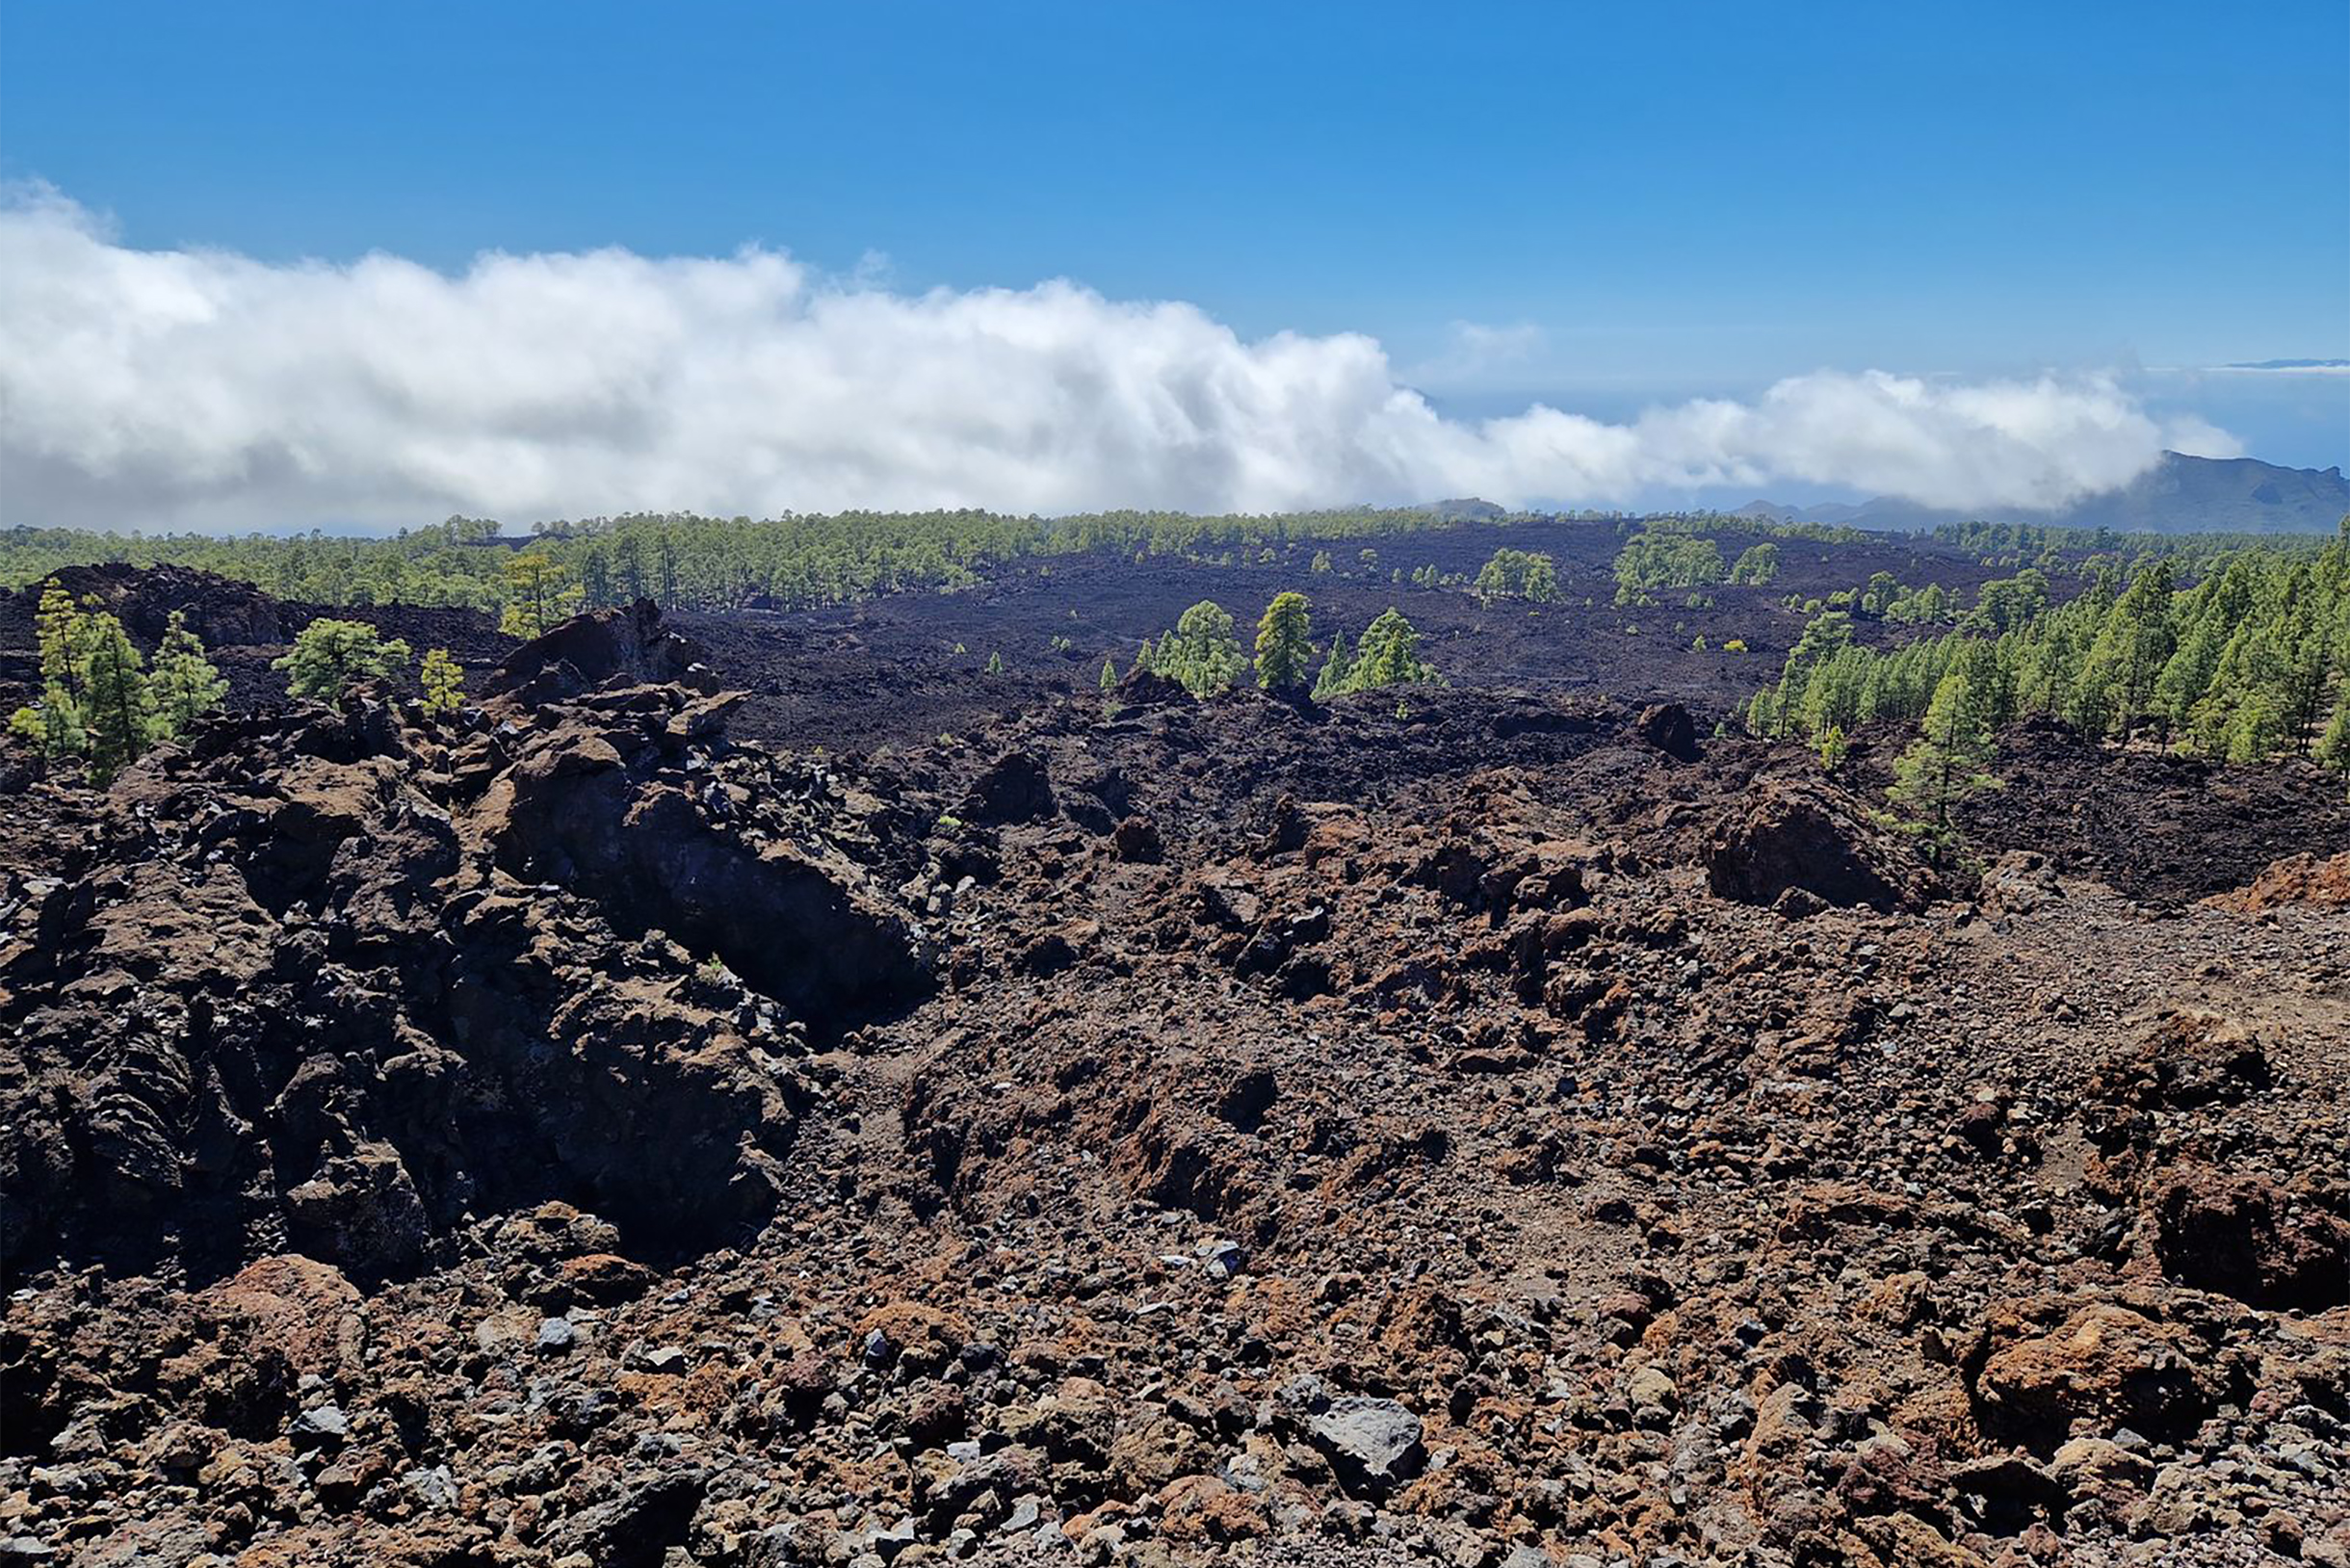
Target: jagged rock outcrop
219 610
2250 1237
1805 838
628 647
328 982
1668 728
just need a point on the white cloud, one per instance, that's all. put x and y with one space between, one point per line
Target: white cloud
2284 367
2198 438
1472 349
162 389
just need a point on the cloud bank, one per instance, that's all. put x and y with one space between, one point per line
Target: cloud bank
200 388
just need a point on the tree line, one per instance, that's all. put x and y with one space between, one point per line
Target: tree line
2249 661
683 560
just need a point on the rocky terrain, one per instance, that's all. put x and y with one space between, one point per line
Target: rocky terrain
606 1126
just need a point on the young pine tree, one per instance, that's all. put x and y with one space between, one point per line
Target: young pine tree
444 683
1336 667
1282 648
1952 754
55 725
1204 654
1108 682
539 593
185 683
330 657
1389 655
119 709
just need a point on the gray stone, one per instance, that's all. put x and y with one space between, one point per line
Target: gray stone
434 1488
320 1423
1374 1445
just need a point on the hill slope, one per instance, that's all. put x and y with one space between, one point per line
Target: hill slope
2179 495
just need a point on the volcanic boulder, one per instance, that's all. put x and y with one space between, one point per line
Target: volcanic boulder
607 802
1668 728
1012 789
1374 1445
2245 1237
1794 836
2048 1365
626 646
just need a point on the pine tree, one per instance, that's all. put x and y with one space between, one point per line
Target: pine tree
995 663
330 656
1202 652
443 681
1109 675
2127 657
2333 748
2259 727
2305 660
595 578
1952 754
56 726
541 592
1332 681
120 710
1758 566
1389 655
1514 574
1282 646
186 684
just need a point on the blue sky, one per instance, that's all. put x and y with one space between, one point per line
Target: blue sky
1641 203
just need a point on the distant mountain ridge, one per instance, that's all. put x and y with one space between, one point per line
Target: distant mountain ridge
2179 495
